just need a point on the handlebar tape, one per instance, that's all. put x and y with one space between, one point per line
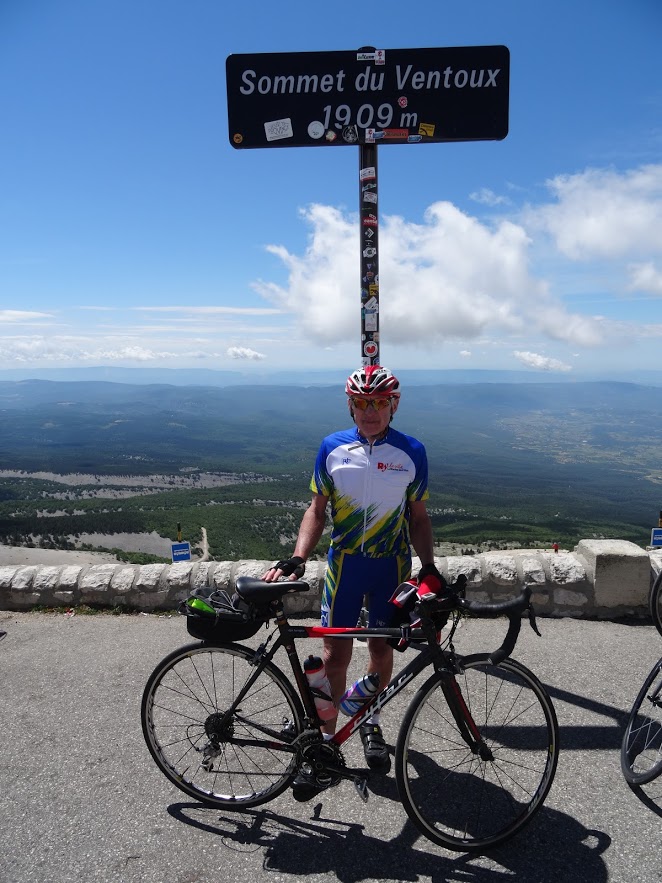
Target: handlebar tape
512 608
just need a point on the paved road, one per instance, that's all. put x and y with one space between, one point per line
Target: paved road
82 800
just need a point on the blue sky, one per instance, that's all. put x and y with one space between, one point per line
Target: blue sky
133 234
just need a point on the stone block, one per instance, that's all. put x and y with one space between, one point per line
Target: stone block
148 577
23 599
178 576
24 578
152 600
122 580
97 578
467 565
201 574
500 569
568 598
533 572
46 579
620 572
7 574
564 568
69 577
222 575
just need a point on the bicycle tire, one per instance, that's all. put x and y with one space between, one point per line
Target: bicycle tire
641 748
455 798
199 680
655 604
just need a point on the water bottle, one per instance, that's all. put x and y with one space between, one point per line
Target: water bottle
316 674
357 695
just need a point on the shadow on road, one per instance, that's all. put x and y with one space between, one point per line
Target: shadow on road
551 850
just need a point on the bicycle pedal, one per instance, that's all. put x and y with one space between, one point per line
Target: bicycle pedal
361 786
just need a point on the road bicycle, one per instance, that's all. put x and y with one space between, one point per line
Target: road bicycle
656 602
641 748
477 747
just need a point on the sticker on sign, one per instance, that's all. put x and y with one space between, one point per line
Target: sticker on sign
277 130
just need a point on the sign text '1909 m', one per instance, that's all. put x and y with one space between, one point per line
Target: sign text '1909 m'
429 95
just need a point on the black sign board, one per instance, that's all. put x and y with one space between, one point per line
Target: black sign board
391 96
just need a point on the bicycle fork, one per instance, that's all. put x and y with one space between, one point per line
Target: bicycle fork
463 718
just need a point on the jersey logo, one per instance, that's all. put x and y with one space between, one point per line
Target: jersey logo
391 467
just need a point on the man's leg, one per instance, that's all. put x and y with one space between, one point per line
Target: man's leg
337 655
381 660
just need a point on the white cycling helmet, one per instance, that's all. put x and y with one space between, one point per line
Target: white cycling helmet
373 380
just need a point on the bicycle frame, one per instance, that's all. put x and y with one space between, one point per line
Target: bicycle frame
430 654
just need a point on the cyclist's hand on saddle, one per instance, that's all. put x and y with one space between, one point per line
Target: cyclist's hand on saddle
293 567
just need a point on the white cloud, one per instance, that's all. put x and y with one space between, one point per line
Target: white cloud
645 277
22 316
72 349
485 196
451 277
542 363
242 352
210 310
465 354
603 213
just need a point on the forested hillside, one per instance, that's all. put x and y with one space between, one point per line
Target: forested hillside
519 463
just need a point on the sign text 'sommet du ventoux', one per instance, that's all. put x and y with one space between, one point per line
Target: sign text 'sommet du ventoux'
314 99
397 96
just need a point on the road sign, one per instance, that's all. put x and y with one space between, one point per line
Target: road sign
656 536
394 96
181 552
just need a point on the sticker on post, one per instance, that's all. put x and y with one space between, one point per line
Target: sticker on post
277 130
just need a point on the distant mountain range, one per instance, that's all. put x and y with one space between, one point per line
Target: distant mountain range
265 377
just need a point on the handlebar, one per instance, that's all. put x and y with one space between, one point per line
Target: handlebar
512 608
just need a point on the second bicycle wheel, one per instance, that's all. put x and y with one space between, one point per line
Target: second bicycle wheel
641 748
456 798
656 602
234 761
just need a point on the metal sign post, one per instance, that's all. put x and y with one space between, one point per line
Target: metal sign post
368 97
369 241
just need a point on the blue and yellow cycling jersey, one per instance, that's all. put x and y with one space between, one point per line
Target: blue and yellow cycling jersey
370 487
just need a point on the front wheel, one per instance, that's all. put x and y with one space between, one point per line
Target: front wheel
641 748
470 800
234 760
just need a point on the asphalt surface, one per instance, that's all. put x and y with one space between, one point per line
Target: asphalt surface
83 801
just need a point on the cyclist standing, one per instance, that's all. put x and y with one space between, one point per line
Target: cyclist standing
376 479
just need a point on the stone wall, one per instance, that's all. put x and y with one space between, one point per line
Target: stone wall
606 579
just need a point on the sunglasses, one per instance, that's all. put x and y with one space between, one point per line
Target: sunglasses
377 404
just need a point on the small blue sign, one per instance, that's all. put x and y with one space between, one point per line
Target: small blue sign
181 552
656 536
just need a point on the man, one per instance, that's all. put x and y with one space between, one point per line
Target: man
376 480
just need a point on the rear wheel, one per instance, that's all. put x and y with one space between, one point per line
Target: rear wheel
234 761
469 801
641 748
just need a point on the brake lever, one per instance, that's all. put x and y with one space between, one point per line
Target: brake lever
532 620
